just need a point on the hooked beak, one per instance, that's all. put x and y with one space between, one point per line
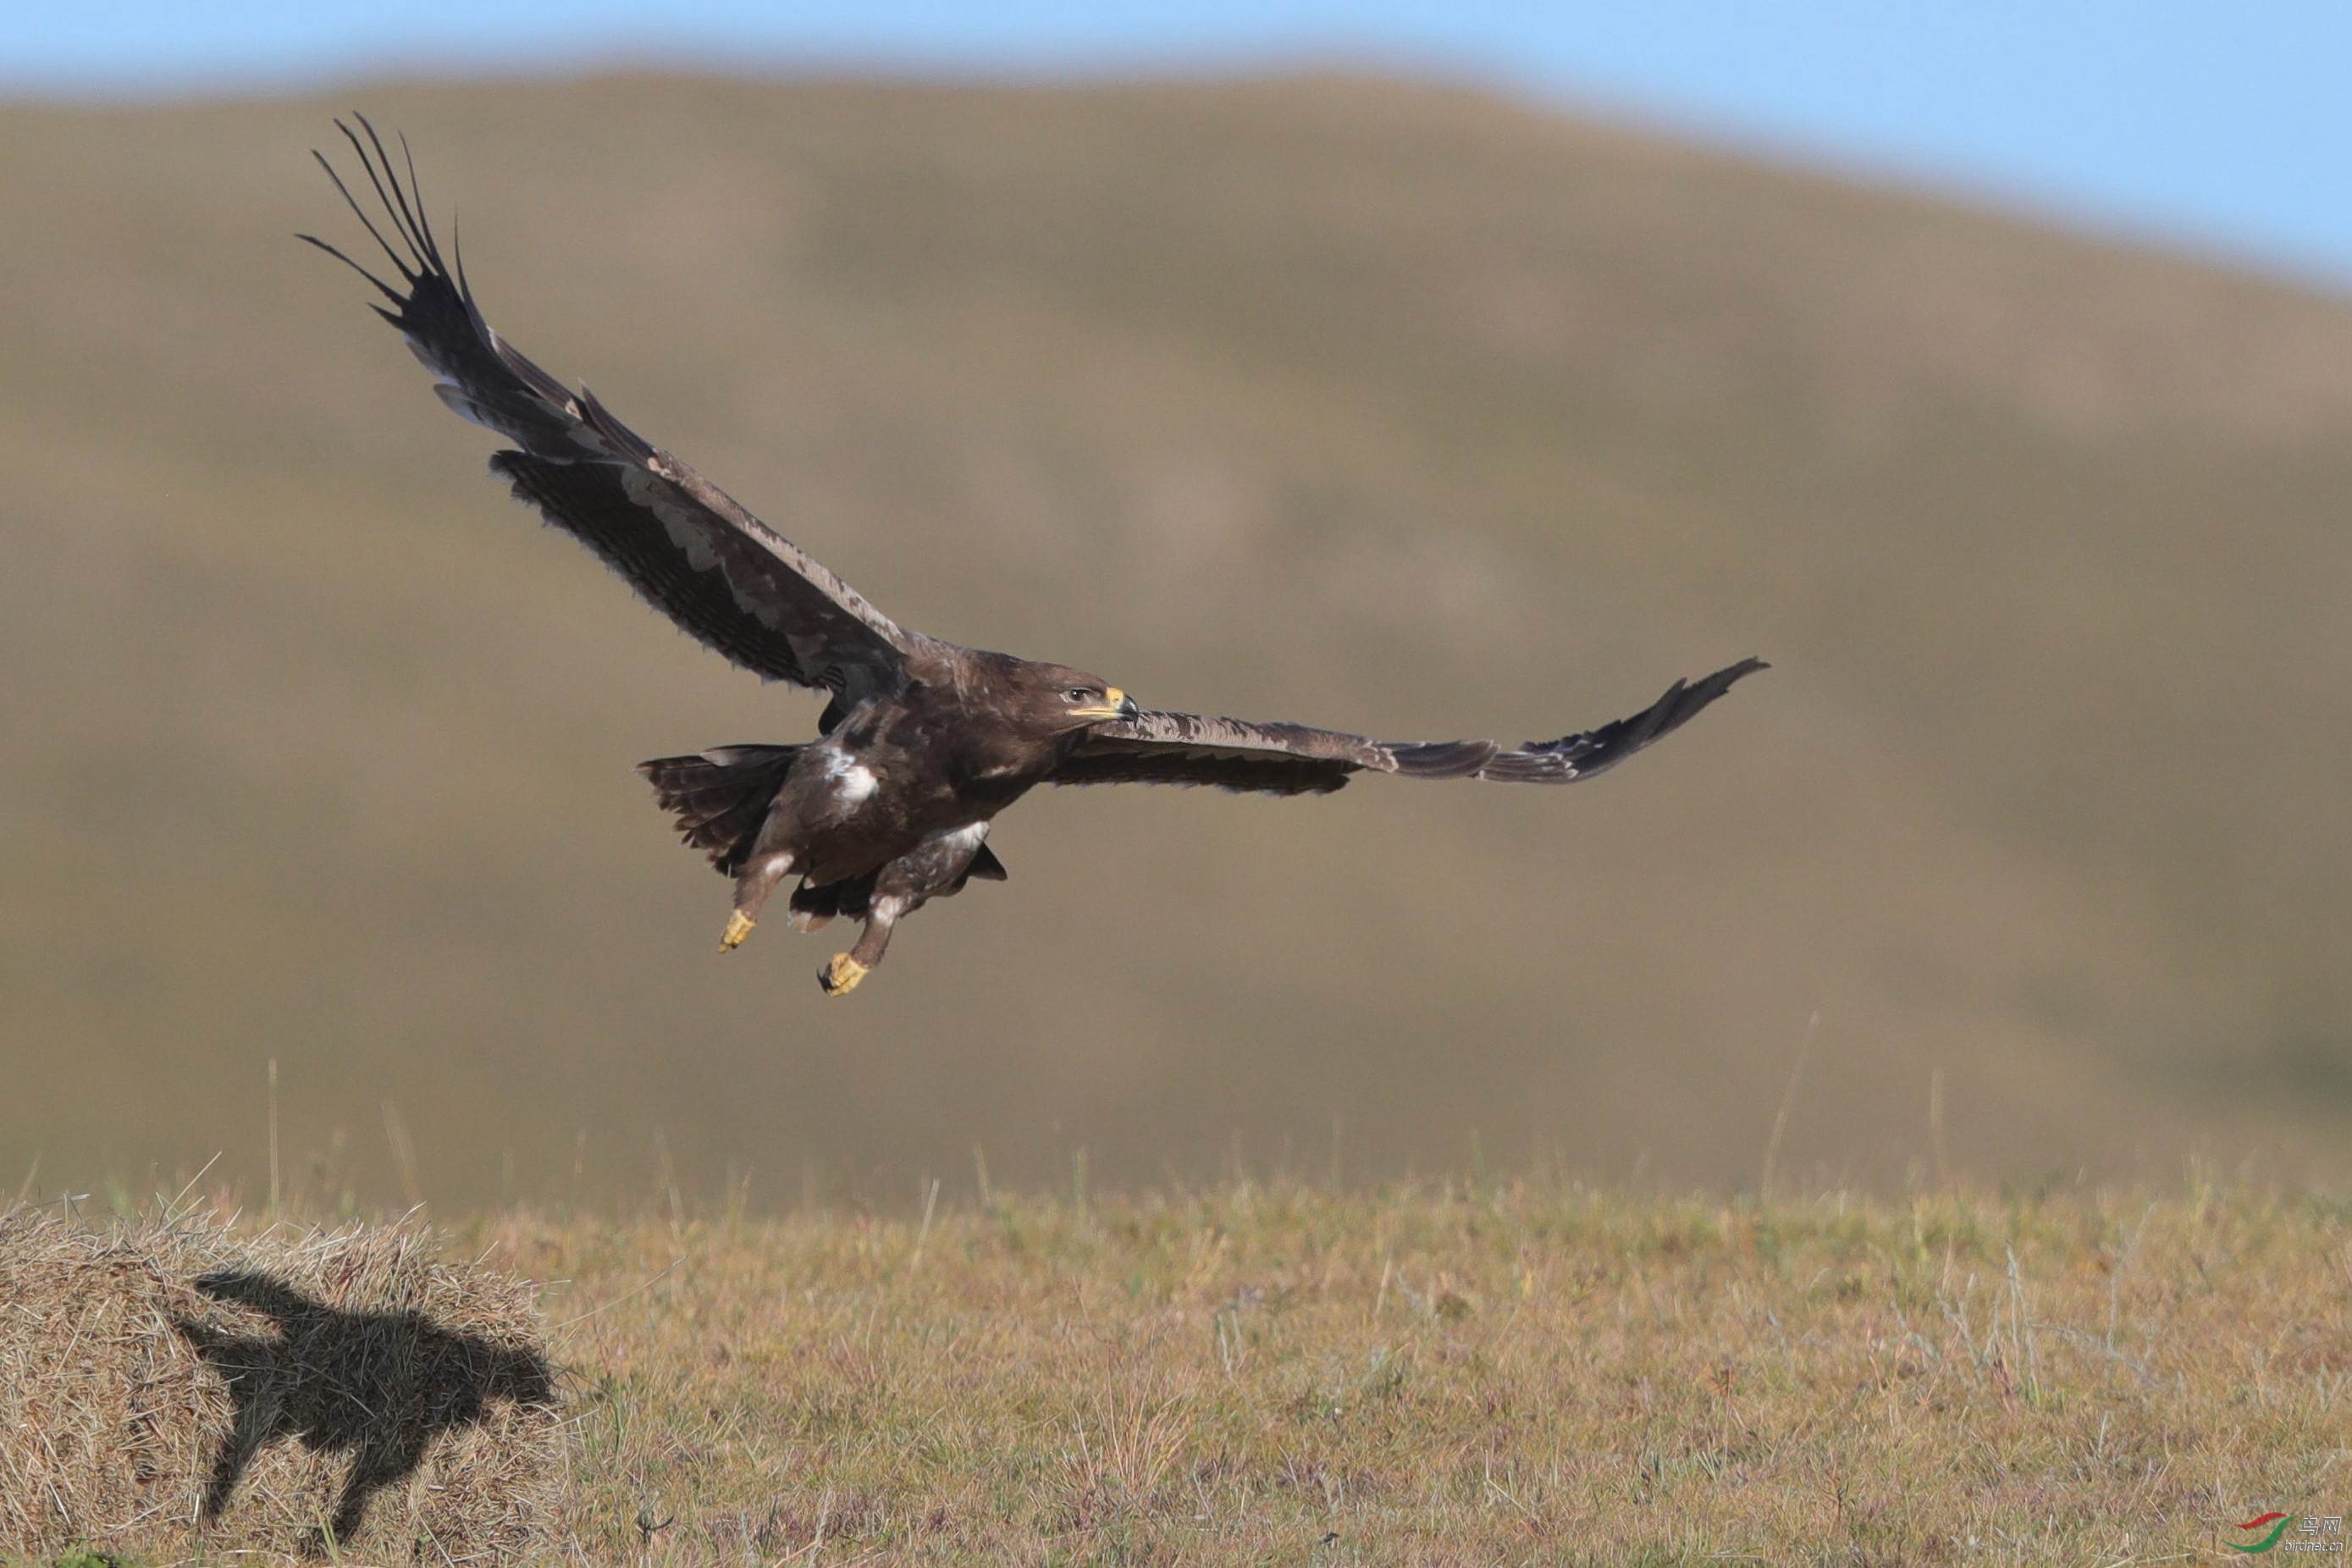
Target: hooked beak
1115 704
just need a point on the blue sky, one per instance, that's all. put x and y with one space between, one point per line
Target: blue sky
2222 128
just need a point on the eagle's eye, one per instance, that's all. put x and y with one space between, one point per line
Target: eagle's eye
1079 694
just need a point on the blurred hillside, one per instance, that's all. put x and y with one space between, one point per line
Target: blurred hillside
1353 401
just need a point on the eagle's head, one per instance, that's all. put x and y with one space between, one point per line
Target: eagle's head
1059 699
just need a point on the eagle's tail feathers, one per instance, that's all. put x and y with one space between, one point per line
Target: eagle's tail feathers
814 905
720 797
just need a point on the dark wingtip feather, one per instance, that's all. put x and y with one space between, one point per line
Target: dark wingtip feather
395 204
465 289
416 189
1732 672
391 293
1581 755
398 264
1681 703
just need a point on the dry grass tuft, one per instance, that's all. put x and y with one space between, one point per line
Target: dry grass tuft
167 1387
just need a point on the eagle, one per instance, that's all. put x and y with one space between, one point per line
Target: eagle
921 742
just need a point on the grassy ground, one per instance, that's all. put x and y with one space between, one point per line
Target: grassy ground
1466 1374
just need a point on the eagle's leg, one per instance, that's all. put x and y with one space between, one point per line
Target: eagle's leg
934 868
753 883
841 976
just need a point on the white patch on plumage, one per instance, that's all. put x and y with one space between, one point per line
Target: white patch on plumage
852 780
966 838
889 910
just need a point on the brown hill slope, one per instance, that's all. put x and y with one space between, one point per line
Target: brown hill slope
1353 401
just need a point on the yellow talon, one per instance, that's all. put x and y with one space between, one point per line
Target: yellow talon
738 926
841 976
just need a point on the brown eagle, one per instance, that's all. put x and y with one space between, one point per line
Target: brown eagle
923 742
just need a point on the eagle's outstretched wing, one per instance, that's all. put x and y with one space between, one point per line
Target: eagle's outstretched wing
682 542
1292 758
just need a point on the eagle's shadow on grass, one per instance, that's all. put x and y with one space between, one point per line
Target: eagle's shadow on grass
379 1385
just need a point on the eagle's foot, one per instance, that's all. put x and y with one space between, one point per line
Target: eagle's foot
738 926
807 921
840 977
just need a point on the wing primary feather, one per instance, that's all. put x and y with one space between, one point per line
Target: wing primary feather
391 293
392 213
465 289
359 212
1590 752
395 204
416 189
